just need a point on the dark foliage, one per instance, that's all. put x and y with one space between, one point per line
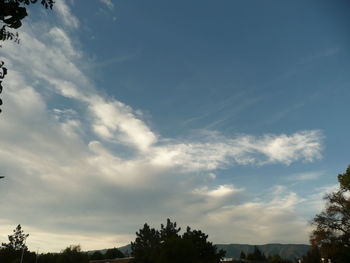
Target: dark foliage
16 240
13 11
16 247
72 254
242 255
48 258
113 253
287 251
256 255
332 233
312 256
3 72
168 246
147 245
97 255
278 259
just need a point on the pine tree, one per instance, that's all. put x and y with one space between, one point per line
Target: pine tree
242 255
168 246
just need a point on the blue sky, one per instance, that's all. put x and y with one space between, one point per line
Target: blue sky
228 116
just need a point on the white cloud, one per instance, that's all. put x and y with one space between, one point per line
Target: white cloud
108 3
306 176
243 150
315 202
257 221
60 38
66 15
220 191
69 160
115 120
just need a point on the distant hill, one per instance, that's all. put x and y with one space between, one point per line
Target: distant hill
288 251
125 249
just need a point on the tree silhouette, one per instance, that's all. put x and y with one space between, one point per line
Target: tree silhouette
278 259
312 256
113 253
242 255
146 245
332 233
73 254
256 255
97 255
17 241
168 246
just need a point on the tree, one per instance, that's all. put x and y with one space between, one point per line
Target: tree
13 251
242 255
332 233
256 255
11 14
47 258
204 250
97 255
169 231
113 253
168 246
278 259
312 256
17 241
146 245
73 254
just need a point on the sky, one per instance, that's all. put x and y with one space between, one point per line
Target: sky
226 116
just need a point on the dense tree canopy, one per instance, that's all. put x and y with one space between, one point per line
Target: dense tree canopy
332 233
97 255
73 254
167 246
278 259
242 255
113 253
256 255
312 256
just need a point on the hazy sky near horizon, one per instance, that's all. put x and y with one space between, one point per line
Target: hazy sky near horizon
227 116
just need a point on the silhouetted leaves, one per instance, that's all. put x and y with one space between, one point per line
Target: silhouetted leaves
256 255
3 73
17 239
97 255
312 256
332 233
278 259
242 255
113 253
72 254
168 246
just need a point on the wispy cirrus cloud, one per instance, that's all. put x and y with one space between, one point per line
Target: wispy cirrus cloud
306 176
108 3
65 14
